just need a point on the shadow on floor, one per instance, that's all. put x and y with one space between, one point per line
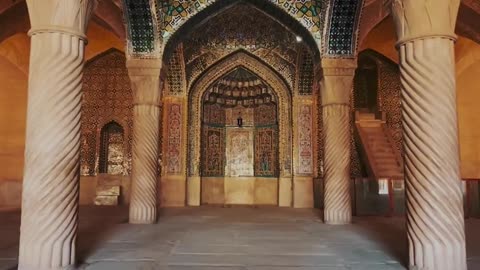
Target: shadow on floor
97 227
390 233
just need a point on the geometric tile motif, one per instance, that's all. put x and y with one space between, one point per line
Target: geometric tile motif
306 75
173 13
107 97
176 73
140 30
341 33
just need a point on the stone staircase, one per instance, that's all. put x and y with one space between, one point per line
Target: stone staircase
379 152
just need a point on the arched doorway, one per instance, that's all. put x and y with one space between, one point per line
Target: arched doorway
239 87
239 157
111 149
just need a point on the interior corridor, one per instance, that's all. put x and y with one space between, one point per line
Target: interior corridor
238 238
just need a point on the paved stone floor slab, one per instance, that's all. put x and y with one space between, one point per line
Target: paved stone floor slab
238 238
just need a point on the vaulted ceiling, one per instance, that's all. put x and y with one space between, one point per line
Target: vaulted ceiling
468 20
14 17
109 15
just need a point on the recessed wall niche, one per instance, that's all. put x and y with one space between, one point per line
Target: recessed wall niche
239 127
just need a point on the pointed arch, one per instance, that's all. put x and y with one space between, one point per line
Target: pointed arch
111 134
99 56
303 18
269 76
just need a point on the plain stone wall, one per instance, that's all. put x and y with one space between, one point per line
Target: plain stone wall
11 191
10 194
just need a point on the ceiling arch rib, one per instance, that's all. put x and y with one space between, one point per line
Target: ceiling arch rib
109 15
300 15
342 28
140 28
14 18
337 38
304 16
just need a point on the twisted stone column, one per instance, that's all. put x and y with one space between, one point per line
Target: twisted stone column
52 149
335 90
145 78
435 223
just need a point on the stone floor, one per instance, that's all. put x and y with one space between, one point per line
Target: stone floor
238 238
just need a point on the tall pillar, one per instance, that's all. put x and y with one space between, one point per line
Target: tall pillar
335 95
435 225
145 78
52 149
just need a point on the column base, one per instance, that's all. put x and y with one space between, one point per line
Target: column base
143 216
30 267
140 222
437 255
337 219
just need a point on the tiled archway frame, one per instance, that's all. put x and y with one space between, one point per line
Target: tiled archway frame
267 74
171 15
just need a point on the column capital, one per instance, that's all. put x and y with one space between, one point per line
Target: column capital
145 78
419 19
60 16
339 66
144 67
337 80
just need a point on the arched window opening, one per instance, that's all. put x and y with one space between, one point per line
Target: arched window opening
111 149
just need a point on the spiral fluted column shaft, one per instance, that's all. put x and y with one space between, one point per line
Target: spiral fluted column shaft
335 94
143 203
50 185
435 223
336 125
49 218
145 76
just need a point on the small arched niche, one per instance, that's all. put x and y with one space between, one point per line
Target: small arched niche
112 150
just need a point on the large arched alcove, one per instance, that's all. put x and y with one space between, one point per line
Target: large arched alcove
197 51
198 91
239 144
